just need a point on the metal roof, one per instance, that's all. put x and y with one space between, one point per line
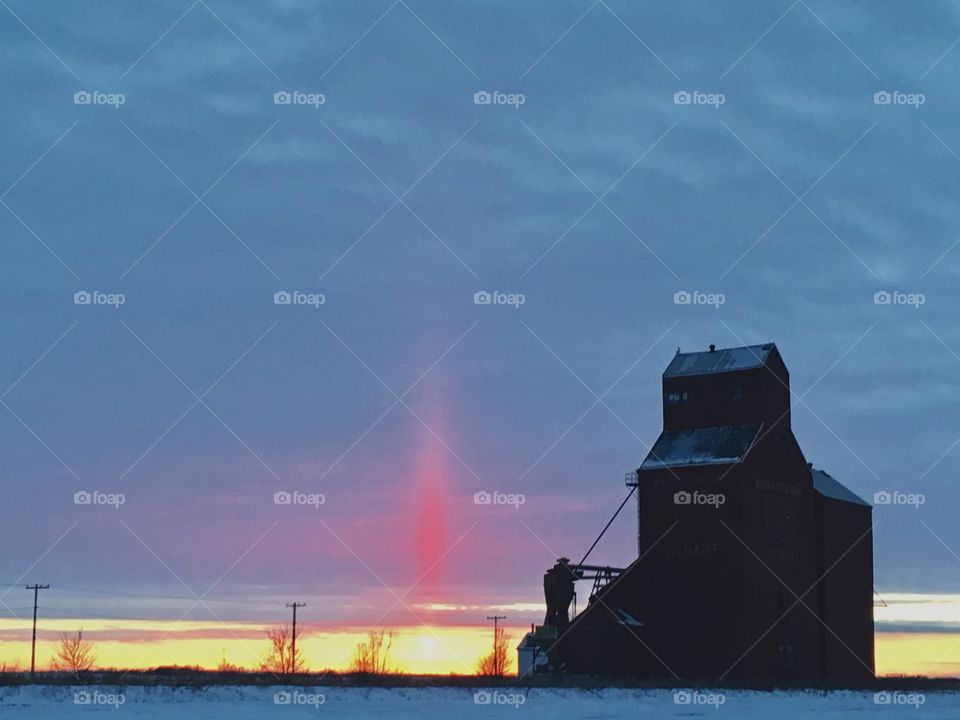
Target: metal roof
701 446
829 487
717 361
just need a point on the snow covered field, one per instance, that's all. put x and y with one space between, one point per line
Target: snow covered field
252 703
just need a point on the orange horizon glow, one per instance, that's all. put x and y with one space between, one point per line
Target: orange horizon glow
416 650
146 644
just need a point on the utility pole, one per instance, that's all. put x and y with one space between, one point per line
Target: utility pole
33 645
293 637
496 619
496 637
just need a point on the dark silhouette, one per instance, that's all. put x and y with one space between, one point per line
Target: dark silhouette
371 656
75 655
497 661
283 657
752 565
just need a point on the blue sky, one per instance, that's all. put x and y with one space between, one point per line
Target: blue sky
797 198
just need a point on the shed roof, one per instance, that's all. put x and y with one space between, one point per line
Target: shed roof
717 361
701 446
830 487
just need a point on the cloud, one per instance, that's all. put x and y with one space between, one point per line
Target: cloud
496 201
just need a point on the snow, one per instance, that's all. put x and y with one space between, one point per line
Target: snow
254 703
723 360
720 445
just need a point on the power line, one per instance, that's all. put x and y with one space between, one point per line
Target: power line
67 614
15 610
61 614
159 595
496 619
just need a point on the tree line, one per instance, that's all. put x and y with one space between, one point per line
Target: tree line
77 654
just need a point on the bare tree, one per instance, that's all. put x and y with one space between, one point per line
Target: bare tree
224 666
74 654
280 657
371 656
497 661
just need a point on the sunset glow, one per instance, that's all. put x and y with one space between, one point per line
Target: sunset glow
451 355
931 649
152 643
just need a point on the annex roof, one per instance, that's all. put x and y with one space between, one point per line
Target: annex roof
701 446
830 487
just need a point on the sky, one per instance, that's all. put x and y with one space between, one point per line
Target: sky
788 167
